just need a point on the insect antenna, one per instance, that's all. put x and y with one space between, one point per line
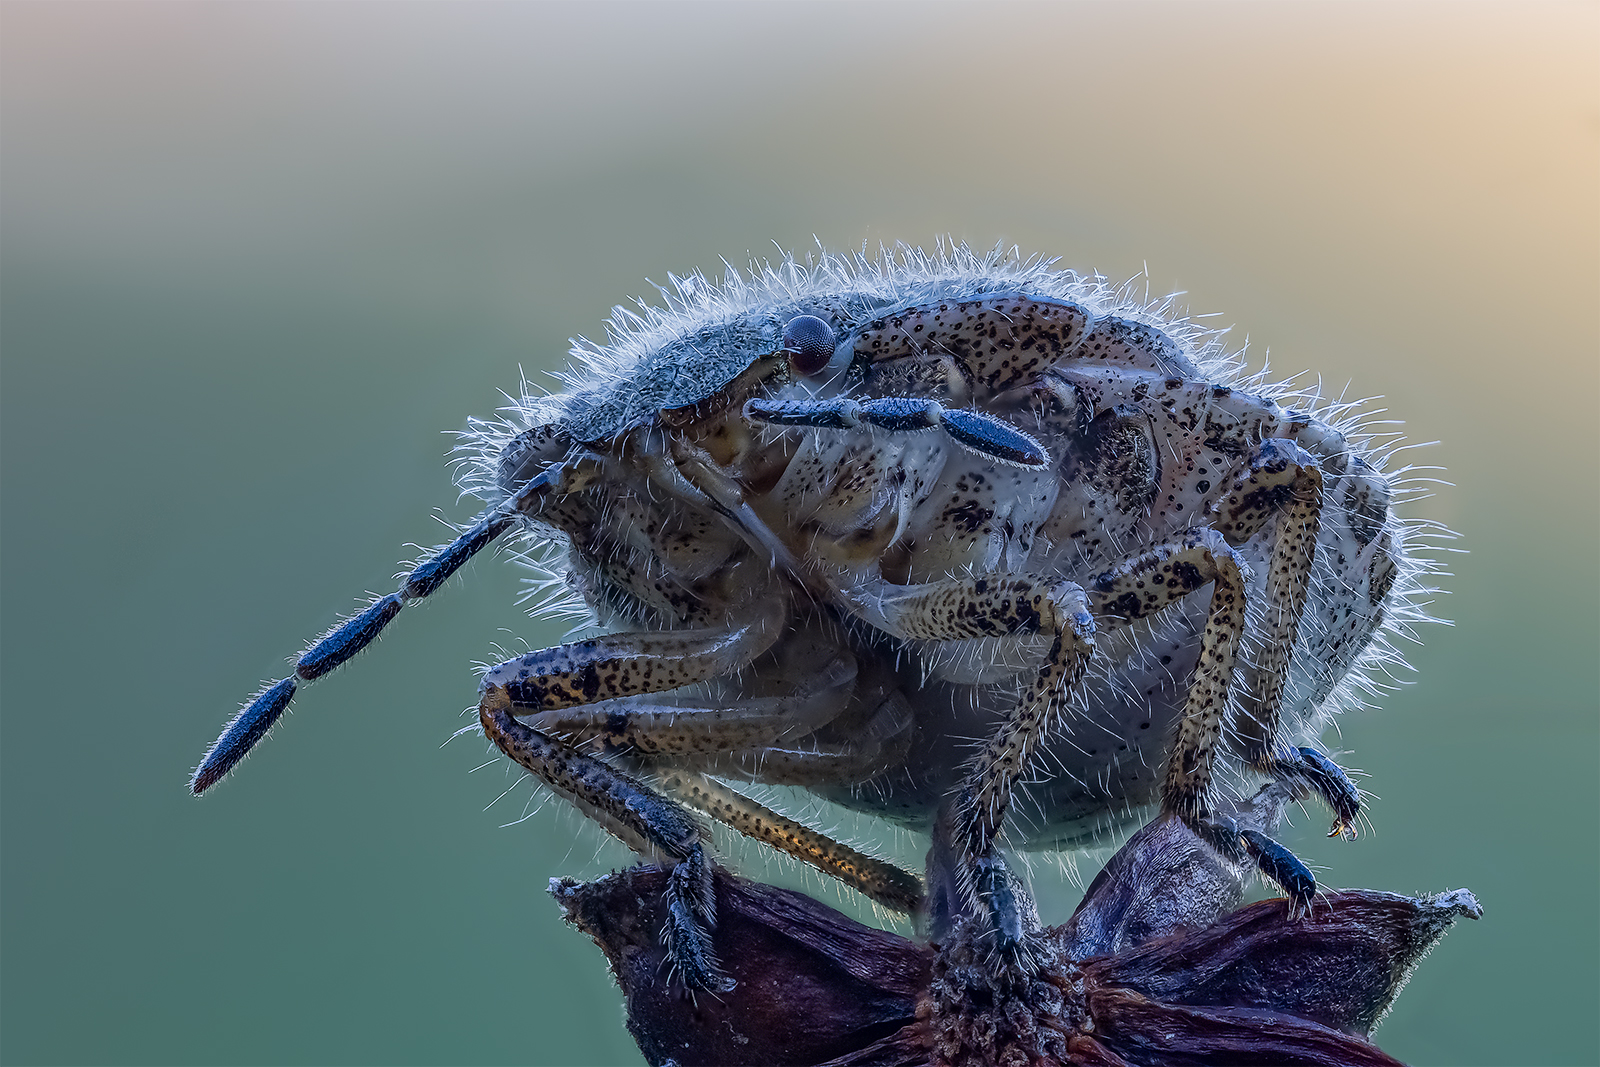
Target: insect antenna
258 716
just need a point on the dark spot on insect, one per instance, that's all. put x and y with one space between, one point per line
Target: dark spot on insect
1203 485
1127 605
1187 575
1165 660
1227 446
969 517
1144 726
1266 499
1366 501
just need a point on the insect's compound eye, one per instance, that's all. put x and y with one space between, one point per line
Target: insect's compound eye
809 342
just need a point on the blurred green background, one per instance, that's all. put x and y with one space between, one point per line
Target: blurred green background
256 258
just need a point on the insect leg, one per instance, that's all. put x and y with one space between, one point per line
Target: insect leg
639 816
1143 585
679 731
980 607
1283 867
620 665
625 664
876 879
982 433
1282 487
676 741
252 723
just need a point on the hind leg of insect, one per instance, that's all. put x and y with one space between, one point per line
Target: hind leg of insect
876 879
603 668
1281 487
966 873
1145 584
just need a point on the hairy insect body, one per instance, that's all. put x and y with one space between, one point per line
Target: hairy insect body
1142 448
907 535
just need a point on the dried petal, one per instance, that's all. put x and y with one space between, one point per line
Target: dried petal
812 984
1342 967
1152 1034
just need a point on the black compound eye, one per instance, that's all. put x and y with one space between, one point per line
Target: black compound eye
809 342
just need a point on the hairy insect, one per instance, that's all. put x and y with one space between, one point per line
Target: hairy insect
909 533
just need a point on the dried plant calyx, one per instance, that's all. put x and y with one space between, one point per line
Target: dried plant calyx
1159 965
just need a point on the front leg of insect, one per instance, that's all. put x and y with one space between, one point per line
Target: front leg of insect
587 693
611 668
642 818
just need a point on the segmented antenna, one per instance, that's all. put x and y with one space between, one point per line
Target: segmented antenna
252 723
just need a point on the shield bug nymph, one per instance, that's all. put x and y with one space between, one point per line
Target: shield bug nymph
835 520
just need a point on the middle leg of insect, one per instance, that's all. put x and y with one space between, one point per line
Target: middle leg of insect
1007 605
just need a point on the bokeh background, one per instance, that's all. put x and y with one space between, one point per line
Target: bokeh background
256 257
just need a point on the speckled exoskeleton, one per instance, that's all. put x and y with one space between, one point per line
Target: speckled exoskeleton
907 533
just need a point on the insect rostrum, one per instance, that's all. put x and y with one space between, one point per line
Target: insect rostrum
833 522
